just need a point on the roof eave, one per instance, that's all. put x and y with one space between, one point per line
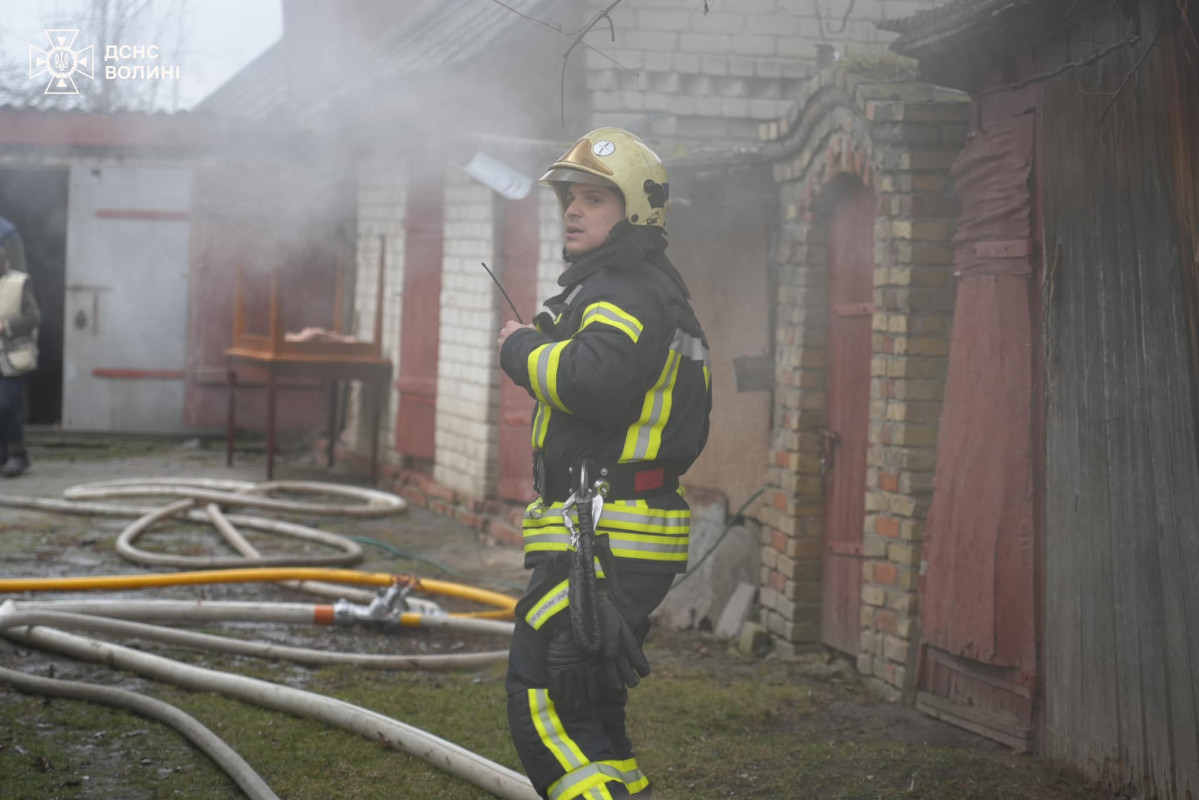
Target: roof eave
921 44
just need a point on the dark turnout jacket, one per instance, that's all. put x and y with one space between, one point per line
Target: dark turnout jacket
621 373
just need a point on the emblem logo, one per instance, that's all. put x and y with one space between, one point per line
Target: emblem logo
62 61
604 148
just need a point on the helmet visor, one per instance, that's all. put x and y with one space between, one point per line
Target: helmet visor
566 175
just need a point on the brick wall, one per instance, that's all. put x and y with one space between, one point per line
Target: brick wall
674 71
466 436
381 200
899 138
549 261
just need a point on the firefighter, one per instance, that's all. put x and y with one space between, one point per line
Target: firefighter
621 373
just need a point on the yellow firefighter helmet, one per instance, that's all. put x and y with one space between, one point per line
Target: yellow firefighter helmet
614 157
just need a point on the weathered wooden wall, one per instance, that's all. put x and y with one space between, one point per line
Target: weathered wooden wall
1121 640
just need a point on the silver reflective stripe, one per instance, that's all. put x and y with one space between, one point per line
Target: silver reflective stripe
559 540
620 543
658 520
553 736
565 788
617 321
670 370
543 372
573 294
691 347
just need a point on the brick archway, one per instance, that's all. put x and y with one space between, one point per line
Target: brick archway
898 138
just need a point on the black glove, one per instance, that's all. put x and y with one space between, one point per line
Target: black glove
621 654
577 679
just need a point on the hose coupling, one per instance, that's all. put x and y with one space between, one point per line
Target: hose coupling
388 606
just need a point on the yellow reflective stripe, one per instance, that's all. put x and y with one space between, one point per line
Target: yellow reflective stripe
617 317
554 601
634 778
616 520
707 378
590 787
541 425
644 436
647 522
648 548
553 735
533 363
672 547
596 776
543 372
546 546
633 528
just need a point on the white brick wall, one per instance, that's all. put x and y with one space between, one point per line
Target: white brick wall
468 376
381 200
717 75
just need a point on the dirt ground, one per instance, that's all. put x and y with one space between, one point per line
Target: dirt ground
883 750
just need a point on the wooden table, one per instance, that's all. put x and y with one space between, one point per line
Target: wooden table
373 372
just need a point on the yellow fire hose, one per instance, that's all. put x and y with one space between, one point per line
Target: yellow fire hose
503 605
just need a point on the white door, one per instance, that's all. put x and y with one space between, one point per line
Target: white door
126 299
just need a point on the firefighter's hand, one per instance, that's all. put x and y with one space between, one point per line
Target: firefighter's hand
506 331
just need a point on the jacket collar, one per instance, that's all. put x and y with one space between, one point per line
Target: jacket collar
627 246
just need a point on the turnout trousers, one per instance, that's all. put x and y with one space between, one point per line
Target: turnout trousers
583 753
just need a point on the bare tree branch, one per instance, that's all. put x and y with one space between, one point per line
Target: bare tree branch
561 31
547 25
110 22
706 8
566 56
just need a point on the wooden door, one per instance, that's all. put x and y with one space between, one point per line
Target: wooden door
519 260
978 660
420 324
851 289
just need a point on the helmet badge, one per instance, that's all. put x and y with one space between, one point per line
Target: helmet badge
603 148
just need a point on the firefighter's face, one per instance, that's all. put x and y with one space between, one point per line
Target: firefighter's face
591 213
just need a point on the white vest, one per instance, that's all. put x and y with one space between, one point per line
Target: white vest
18 354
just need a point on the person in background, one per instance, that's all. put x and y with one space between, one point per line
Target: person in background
19 320
621 373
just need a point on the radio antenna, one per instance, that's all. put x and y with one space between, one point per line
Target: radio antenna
505 294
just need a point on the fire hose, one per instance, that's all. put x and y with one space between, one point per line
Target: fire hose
393 607
496 779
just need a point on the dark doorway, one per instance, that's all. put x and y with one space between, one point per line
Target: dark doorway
35 200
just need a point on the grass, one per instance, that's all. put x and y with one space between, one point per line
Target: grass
713 729
705 726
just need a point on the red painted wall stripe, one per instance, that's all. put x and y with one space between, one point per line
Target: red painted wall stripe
140 374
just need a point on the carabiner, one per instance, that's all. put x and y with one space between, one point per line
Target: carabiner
574 532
